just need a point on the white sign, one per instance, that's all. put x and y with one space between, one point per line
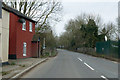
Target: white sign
105 38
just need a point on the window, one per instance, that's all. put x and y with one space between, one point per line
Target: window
30 26
24 48
24 26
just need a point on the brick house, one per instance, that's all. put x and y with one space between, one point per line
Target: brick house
21 32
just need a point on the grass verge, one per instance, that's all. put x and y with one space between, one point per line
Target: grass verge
99 55
5 73
103 56
49 53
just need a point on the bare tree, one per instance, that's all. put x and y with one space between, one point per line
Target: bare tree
111 31
39 10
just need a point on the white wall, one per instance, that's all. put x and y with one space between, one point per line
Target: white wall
0 39
5 35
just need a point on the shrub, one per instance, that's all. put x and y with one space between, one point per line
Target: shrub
22 65
5 73
12 63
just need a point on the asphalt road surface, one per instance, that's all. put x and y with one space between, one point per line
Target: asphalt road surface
75 65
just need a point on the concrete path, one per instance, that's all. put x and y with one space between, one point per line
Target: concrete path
18 65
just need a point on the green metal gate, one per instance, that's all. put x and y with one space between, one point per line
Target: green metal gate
110 48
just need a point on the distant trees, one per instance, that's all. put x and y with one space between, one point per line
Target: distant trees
50 40
84 31
47 39
91 33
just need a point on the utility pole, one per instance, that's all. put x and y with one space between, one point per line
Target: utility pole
119 29
119 38
44 43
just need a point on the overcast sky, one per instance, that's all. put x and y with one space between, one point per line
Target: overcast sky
72 8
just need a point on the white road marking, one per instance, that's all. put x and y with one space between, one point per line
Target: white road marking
80 59
88 66
114 62
104 77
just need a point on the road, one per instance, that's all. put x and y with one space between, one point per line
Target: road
75 65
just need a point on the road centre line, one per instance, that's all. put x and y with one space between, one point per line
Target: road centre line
104 77
88 66
80 59
92 68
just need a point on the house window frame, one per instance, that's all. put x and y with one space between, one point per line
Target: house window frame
30 26
24 49
24 26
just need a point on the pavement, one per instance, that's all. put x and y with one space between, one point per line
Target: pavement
19 66
70 64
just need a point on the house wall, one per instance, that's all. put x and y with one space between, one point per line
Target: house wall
18 37
12 36
0 30
0 25
24 36
35 49
0 39
5 36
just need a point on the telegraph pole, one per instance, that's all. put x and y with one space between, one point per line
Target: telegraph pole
119 29
119 39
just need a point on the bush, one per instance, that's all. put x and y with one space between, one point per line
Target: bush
86 50
22 65
5 73
12 63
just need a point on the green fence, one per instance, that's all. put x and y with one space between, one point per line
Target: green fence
109 48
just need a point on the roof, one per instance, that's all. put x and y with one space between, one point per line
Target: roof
16 12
